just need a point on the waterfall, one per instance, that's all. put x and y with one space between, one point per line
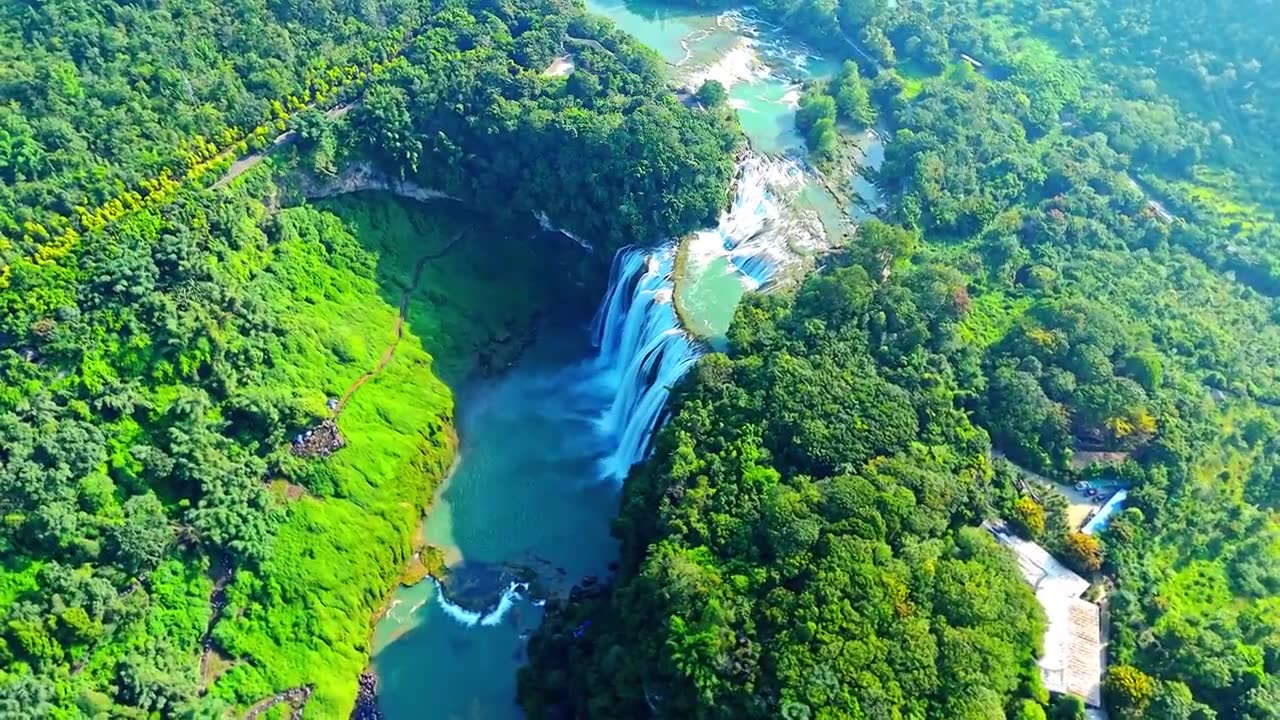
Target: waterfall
642 351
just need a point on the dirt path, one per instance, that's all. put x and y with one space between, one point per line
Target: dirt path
1079 505
390 351
242 165
217 603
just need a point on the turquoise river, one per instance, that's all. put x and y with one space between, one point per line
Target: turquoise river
544 447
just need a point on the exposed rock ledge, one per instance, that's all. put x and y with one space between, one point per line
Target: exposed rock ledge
360 176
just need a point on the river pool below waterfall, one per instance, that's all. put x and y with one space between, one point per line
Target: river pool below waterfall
526 512
544 446
526 492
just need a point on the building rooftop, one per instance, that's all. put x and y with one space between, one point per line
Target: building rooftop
1040 569
1072 660
1102 518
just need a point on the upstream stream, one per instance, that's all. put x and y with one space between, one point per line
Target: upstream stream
545 446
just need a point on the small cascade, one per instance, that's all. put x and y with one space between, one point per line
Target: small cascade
544 221
642 351
761 232
470 618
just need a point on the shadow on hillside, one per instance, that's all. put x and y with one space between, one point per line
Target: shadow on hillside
477 291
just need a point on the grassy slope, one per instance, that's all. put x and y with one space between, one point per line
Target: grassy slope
1195 582
338 274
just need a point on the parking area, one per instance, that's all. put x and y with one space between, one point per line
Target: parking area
1083 499
1081 506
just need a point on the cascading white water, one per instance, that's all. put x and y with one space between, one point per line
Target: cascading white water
471 618
760 233
642 351
642 348
544 221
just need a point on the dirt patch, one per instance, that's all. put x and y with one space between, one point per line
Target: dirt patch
215 665
286 491
1085 458
1080 506
296 698
321 441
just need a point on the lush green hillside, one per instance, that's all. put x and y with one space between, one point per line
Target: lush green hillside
186 460
160 351
302 616
1210 57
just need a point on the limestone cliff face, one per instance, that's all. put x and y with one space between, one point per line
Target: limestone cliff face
362 175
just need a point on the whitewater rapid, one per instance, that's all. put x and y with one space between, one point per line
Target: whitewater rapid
515 591
762 232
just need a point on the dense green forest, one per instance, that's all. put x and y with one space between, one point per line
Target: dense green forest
607 152
164 339
1086 187
847 98
101 97
1081 254
1182 95
799 545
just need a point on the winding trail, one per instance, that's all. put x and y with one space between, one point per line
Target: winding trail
243 164
390 351
217 603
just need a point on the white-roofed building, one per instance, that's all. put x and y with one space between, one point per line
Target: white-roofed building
1072 660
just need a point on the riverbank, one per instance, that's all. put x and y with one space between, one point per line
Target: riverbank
518 521
342 273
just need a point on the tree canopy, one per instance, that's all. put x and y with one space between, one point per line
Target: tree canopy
800 543
165 340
